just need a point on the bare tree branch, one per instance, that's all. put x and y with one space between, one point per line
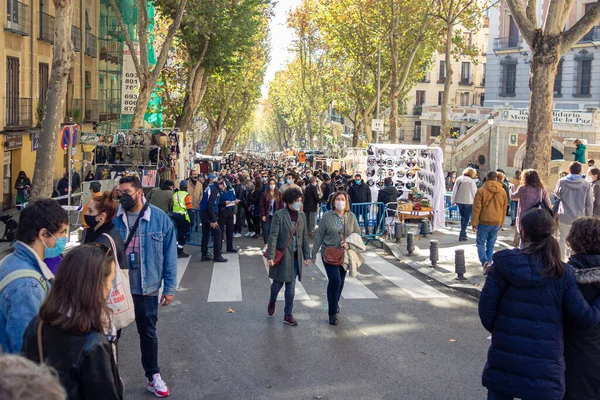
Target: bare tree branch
525 26
580 28
136 61
164 52
554 19
142 29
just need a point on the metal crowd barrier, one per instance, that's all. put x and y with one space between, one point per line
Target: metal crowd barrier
452 213
195 238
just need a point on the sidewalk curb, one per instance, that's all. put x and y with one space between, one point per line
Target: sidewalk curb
441 275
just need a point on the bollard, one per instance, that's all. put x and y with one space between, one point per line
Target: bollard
398 231
459 264
410 243
433 253
424 227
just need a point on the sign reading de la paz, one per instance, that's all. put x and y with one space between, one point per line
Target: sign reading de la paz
377 125
130 83
558 117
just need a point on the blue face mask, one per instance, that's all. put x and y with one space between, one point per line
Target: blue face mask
288 181
297 206
57 250
357 181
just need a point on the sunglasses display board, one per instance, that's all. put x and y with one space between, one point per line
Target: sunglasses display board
411 168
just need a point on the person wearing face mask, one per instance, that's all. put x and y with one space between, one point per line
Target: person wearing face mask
23 187
312 201
334 227
290 236
25 279
592 177
151 247
96 191
360 193
182 216
99 219
289 181
270 202
79 344
209 207
227 204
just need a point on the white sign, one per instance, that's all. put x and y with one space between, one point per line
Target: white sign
377 125
89 138
558 117
130 84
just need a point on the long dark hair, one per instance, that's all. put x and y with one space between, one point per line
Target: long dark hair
537 227
76 301
276 195
532 179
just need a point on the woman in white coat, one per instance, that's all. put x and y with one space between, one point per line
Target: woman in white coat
463 195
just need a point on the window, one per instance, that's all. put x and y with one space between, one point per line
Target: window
420 98
440 98
43 83
484 70
465 73
12 91
435 131
417 132
558 79
509 77
584 73
442 71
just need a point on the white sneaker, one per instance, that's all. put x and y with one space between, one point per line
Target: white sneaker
237 235
158 386
249 234
265 248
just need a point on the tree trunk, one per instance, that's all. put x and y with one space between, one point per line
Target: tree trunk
321 129
357 129
197 85
445 129
394 88
214 132
367 120
141 105
544 65
62 57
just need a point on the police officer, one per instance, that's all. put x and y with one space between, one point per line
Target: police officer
227 205
209 206
182 206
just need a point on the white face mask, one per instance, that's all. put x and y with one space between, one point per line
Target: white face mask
589 178
314 183
340 205
272 187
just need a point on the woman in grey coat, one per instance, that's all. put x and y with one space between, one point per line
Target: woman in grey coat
331 234
296 253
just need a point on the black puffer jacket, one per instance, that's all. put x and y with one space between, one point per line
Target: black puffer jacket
85 363
389 194
359 193
582 346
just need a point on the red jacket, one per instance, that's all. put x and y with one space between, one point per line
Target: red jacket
265 205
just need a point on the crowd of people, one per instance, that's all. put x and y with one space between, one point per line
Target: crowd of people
540 301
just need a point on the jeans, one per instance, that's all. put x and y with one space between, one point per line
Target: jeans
486 238
311 221
465 211
266 228
146 315
513 210
337 276
216 233
290 290
499 396
364 211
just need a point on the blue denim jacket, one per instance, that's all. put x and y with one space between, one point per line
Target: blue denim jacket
21 299
158 253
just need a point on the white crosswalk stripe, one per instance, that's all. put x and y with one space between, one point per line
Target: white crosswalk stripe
226 281
300 295
353 288
403 280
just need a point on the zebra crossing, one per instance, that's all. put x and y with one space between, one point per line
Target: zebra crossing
226 281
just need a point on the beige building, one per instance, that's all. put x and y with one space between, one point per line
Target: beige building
467 89
25 66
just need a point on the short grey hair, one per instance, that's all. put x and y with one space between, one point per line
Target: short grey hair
22 379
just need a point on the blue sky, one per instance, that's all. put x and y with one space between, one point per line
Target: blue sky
281 38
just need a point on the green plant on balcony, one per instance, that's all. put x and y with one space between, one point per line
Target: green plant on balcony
417 110
77 115
39 114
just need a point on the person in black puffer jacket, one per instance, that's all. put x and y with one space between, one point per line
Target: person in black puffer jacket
387 195
527 294
582 346
359 192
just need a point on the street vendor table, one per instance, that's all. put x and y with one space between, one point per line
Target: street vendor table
409 215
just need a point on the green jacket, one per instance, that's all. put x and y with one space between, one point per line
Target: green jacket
281 230
328 234
580 154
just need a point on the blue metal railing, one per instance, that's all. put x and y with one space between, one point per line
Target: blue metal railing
195 238
452 213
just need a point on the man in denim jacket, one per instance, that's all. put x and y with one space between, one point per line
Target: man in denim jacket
42 232
152 258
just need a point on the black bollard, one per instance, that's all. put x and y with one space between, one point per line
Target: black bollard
459 264
398 227
410 243
433 253
424 227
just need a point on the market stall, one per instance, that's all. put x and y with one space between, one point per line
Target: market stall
417 174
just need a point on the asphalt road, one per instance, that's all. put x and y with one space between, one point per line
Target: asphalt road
412 339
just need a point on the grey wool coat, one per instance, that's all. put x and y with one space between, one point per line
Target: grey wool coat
328 234
281 230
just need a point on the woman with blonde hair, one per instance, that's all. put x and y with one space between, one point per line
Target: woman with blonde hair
331 235
463 195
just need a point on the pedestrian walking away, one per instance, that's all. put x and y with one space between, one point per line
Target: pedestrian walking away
182 217
162 196
527 295
79 345
333 228
312 202
513 185
289 238
489 212
463 195
531 193
151 244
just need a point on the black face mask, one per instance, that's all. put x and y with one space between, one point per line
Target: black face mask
90 220
127 202
195 179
